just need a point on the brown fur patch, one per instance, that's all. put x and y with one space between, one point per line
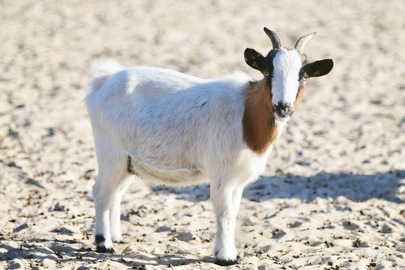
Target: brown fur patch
259 127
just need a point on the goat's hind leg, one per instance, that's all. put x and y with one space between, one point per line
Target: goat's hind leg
101 196
115 209
106 196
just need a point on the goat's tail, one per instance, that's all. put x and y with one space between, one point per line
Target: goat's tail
101 71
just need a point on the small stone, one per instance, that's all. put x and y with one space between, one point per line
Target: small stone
59 207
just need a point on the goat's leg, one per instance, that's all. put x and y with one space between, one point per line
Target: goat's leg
115 209
106 195
237 197
102 198
222 196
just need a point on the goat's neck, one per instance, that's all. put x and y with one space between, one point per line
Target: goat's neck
259 125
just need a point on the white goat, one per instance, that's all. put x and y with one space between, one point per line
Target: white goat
171 128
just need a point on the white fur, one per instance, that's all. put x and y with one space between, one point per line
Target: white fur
285 84
178 130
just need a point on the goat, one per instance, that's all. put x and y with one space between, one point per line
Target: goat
170 128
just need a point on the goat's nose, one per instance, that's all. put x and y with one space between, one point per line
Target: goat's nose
283 109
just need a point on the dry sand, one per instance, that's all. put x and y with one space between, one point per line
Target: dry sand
332 197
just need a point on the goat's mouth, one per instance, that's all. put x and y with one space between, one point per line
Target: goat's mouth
283 111
282 118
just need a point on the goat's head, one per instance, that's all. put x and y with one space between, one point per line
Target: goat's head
286 71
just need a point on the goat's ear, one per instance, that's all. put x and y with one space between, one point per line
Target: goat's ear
255 60
318 68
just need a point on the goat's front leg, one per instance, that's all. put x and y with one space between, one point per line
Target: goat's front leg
222 196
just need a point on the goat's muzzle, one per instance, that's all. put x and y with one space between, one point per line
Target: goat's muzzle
283 109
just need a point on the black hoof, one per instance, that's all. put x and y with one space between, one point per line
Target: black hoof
100 245
103 249
227 262
99 238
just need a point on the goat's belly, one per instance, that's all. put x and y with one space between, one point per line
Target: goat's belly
156 172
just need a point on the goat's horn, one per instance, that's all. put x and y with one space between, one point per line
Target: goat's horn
302 41
275 40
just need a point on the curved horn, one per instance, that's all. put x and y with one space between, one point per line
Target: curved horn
275 40
302 41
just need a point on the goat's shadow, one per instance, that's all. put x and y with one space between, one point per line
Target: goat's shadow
62 252
355 187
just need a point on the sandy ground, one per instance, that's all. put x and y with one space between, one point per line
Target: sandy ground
332 197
